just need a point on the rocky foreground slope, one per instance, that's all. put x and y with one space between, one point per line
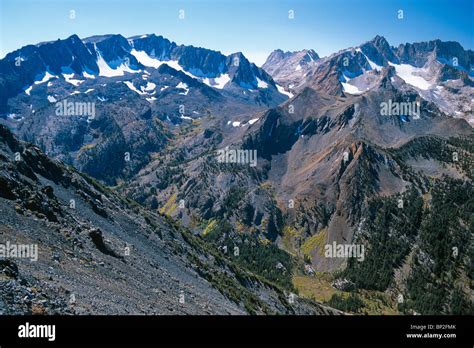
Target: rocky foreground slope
99 253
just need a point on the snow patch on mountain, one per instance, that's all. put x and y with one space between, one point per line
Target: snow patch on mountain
351 89
242 124
348 87
87 75
15 117
47 76
373 65
221 81
144 90
411 75
281 90
106 70
144 59
218 82
253 120
175 65
132 87
150 86
69 79
261 83
184 86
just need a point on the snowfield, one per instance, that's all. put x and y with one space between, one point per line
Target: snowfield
351 89
145 59
219 82
261 84
107 71
281 90
184 86
409 74
69 79
132 87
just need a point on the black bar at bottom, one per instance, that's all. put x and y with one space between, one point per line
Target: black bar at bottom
244 330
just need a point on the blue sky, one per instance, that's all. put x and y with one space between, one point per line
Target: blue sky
254 27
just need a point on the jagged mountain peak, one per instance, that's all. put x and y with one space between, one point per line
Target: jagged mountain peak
311 53
279 54
238 59
279 57
447 52
113 55
379 40
246 74
432 68
379 51
290 68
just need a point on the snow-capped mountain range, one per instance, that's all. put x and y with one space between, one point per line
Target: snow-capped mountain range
75 61
441 72
142 86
